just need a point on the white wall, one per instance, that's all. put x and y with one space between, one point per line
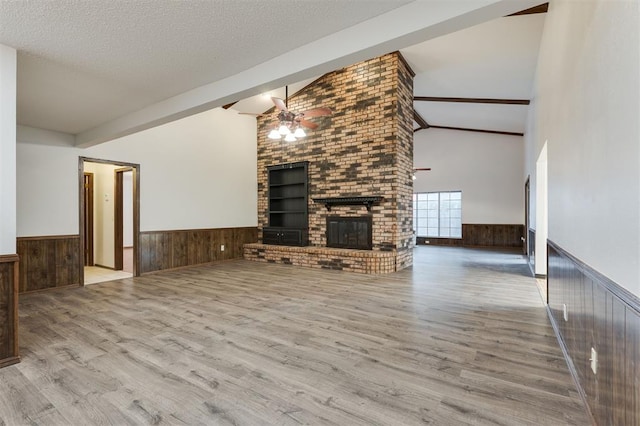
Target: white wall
587 105
47 185
198 172
487 168
7 150
103 212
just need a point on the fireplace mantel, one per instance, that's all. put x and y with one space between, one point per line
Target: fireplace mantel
348 201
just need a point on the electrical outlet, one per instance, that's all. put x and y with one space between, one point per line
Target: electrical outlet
594 360
565 312
221 247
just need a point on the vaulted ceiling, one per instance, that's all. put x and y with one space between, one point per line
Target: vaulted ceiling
102 69
478 79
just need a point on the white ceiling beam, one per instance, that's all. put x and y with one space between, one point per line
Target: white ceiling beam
407 25
35 135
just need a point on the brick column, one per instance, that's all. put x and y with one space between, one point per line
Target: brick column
364 149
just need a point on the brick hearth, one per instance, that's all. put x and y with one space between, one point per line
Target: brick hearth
363 261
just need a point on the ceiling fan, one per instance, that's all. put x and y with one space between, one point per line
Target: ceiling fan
420 169
289 124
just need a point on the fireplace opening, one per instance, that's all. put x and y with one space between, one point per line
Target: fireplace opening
349 232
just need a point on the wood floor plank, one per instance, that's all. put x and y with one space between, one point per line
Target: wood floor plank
460 338
21 402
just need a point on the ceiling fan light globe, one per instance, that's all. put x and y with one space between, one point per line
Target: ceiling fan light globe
283 130
290 137
299 133
274 134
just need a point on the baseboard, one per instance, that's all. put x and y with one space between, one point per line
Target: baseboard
44 290
533 272
178 268
571 366
9 361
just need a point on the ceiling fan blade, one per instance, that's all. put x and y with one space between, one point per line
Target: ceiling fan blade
251 113
425 169
317 112
279 103
308 124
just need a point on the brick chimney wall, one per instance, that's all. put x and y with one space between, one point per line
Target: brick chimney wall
364 149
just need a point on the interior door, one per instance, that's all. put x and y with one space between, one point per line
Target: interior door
88 219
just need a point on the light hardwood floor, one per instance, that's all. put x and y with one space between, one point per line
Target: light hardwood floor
460 338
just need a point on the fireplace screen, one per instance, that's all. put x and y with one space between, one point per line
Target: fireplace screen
349 232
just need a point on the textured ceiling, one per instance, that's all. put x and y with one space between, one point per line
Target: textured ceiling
81 63
84 64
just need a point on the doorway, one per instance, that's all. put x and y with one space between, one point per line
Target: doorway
109 219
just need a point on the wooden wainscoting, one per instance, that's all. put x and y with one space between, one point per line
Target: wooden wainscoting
175 249
604 316
9 310
49 262
455 242
482 235
492 235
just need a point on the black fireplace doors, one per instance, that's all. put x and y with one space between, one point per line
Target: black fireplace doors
349 232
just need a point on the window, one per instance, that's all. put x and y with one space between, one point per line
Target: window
438 214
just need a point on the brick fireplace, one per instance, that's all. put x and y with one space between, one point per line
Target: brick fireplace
364 150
